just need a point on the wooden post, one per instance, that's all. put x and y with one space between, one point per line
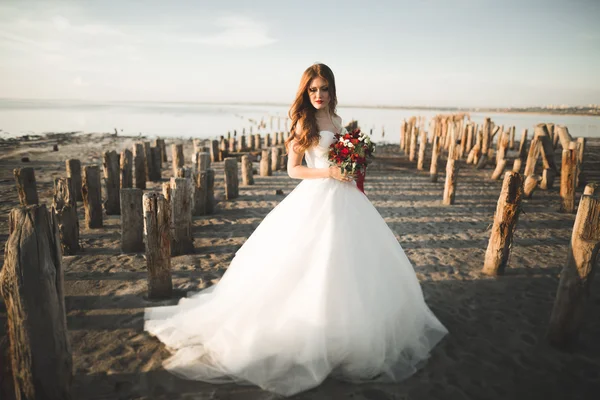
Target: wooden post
160 143
275 158
241 144
148 160
422 149
500 165
511 142
132 220
505 222
265 163
26 187
523 145
450 184
547 150
155 164
568 175
531 183
202 162
200 193
247 177
487 131
576 277
184 172
111 166
126 161
214 151
403 126
469 143
591 189
31 282
177 155
435 155
64 207
210 191
232 144
74 172
532 156
179 194
139 162
92 196
157 220
231 178
564 136
517 165
413 144
547 181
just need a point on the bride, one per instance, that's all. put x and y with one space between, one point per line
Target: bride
321 287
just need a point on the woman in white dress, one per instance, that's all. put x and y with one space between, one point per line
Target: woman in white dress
321 287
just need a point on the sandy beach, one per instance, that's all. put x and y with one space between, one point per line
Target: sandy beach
496 348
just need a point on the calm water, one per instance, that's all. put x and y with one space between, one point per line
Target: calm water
20 117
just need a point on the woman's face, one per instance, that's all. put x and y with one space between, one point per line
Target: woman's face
318 91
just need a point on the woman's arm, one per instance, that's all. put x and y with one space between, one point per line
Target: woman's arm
298 171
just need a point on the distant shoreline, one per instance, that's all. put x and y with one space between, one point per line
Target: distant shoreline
569 111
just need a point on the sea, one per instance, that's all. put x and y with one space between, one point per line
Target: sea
210 121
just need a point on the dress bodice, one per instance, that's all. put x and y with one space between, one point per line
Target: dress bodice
317 156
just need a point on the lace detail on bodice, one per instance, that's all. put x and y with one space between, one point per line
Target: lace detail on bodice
318 156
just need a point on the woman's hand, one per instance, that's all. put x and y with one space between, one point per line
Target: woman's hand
336 173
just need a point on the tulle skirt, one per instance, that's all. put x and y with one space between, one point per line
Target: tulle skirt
321 288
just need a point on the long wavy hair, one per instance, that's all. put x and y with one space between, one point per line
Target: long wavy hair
302 112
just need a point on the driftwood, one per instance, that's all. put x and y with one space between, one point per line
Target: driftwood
576 277
64 207
111 169
179 194
505 222
31 282
92 197
132 220
74 172
157 222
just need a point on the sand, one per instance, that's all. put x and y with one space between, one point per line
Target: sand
496 347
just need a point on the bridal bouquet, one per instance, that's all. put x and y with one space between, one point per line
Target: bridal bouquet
352 152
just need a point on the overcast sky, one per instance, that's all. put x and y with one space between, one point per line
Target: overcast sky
435 53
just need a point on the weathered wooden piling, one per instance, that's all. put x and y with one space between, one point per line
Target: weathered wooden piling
568 176
73 166
126 167
177 155
132 220
247 175
92 196
64 207
139 162
157 224
265 163
111 161
231 178
179 194
26 186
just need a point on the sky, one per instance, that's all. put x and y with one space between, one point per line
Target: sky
463 53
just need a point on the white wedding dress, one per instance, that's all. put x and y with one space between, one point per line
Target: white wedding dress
321 288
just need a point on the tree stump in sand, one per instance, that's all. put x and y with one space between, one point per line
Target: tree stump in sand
92 197
210 191
568 175
275 158
157 221
139 162
126 165
265 163
435 156
179 194
111 168
531 183
576 277
64 207
247 176
31 282
132 220
450 184
26 186
177 155
231 178
505 222
74 172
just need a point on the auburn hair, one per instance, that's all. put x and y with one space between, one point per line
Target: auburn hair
302 113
